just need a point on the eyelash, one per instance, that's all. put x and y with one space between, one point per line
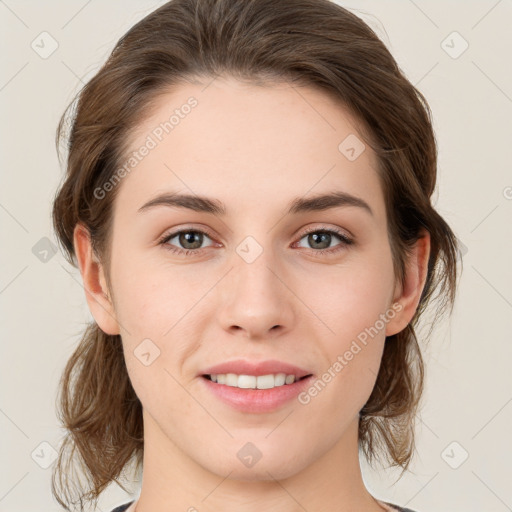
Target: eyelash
345 240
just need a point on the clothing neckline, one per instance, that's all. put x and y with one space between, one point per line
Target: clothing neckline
388 506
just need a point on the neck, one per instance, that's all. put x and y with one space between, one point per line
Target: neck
173 481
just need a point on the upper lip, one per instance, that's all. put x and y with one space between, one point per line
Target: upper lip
256 368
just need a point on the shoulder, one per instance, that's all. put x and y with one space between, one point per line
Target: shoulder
122 508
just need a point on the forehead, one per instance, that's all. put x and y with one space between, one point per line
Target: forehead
247 145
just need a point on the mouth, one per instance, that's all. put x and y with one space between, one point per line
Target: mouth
255 394
243 381
255 386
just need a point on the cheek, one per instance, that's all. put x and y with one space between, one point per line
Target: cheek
354 310
155 307
153 318
143 308
352 358
149 300
350 299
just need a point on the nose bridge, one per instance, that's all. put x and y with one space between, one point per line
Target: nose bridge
254 297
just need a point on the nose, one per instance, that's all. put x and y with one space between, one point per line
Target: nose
256 300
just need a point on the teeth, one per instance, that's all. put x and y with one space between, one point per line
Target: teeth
253 382
290 379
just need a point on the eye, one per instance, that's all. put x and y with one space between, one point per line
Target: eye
320 239
190 239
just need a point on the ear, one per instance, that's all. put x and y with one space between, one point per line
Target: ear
408 296
95 285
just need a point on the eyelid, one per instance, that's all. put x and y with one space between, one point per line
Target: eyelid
192 227
339 231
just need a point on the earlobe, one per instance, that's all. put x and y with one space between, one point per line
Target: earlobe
409 294
96 290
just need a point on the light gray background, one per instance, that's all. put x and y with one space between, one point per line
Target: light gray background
468 391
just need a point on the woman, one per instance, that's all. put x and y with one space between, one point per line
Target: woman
247 198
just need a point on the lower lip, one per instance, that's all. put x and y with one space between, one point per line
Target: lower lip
257 400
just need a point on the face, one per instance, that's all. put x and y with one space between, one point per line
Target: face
261 280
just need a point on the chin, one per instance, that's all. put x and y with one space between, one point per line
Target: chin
249 465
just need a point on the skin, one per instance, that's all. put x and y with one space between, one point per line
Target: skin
255 149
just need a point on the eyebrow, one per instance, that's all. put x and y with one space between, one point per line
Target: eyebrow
298 205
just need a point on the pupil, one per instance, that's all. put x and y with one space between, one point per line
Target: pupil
188 237
316 236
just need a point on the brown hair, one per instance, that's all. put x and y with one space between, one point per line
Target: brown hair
316 43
